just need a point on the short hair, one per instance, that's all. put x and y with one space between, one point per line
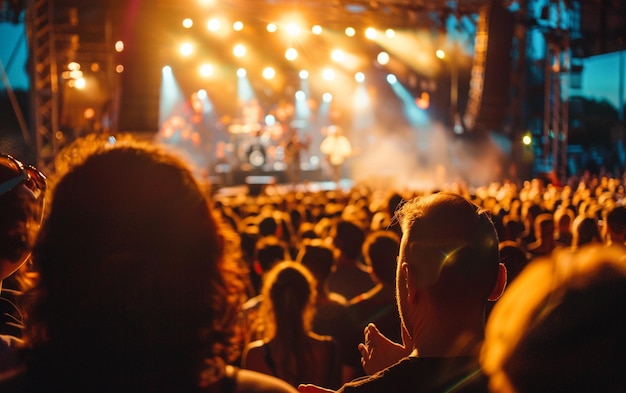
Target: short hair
380 252
269 250
348 238
560 326
616 220
318 257
449 237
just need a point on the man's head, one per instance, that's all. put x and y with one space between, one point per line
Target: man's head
380 251
449 251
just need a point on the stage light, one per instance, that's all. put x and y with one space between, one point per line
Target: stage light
206 70
328 74
76 74
359 77
80 83
370 33
383 58
214 24
119 68
187 23
291 54
317 29
270 120
527 140
271 27
327 97
73 66
337 55
350 32
241 72
238 25
304 74
390 33
440 54
119 46
300 95
269 73
293 29
391 79
186 49
239 50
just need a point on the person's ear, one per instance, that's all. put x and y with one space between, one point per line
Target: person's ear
408 280
498 289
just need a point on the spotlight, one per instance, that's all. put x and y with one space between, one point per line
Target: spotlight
383 58
304 74
317 29
238 25
206 70
370 33
271 27
328 74
241 72
239 50
269 73
440 54
186 49
359 77
350 32
391 78
214 24
390 33
119 46
291 54
300 95
202 94
527 140
337 55
293 29
187 23
327 97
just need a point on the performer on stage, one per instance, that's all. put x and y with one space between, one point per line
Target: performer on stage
293 147
337 148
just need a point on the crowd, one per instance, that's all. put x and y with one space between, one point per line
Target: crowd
143 279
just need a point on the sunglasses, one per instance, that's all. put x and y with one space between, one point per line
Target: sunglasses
27 175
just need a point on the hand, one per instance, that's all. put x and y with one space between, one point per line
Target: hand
308 388
379 352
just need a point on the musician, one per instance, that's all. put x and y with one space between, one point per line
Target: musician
336 147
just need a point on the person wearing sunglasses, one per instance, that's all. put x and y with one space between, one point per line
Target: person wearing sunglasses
21 206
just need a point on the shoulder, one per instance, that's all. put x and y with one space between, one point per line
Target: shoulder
247 381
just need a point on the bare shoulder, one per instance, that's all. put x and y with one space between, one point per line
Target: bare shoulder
248 381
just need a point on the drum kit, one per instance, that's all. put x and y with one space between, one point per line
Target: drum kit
257 144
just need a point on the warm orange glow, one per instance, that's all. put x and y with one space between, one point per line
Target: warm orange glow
186 49
291 54
119 46
317 29
187 23
239 50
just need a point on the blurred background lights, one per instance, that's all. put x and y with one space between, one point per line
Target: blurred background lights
202 94
337 55
238 25
206 70
186 49
328 74
293 29
187 23
269 73
241 72
239 50
214 24
383 58
271 27
390 33
359 77
350 32
317 29
370 33
300 95
119 46
440 54
304 74
327 97
291 54
391 78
